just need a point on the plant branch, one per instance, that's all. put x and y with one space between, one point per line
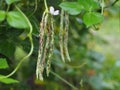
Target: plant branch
112 4
62 79
46 7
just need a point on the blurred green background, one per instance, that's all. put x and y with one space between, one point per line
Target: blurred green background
95 54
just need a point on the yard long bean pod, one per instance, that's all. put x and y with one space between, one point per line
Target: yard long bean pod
46 30
46 40
43 48
61 35
66 36
40 61
51 45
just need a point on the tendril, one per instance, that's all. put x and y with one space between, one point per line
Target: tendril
31 43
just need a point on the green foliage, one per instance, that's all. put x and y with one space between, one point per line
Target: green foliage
89 5
7 80
72 8
2 15
91 67
3 63
7 48
3 79
91 18
11 1
17 20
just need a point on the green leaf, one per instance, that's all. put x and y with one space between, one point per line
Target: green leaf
91 18
3 63
17 20
11 1
7 80
2 15
7 48
89 5
72 8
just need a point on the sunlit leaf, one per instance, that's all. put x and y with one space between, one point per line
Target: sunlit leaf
72 8
3 63
17 20
91 18
2 15
11 1
89 5
7 80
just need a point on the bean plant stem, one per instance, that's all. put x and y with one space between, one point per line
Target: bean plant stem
102 6
46 6
62 79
